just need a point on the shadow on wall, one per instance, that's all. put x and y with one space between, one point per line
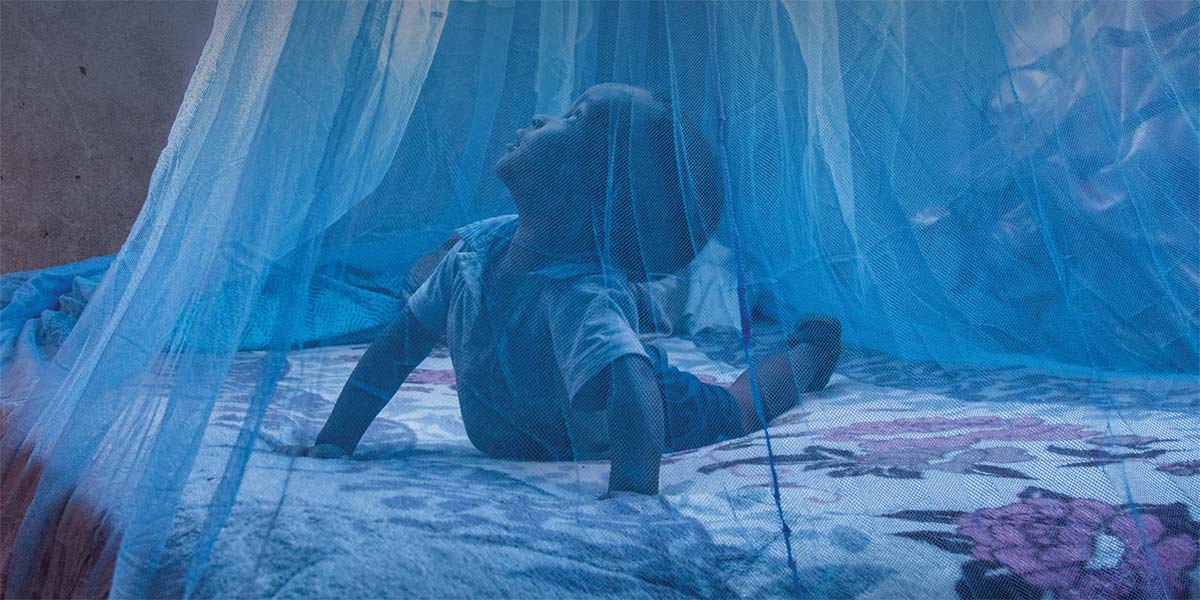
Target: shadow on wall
88 92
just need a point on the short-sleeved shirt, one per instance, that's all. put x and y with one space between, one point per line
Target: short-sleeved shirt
523 345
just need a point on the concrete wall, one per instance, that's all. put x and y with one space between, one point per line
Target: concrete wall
88 91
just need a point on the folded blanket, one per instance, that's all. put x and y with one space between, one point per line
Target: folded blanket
37 311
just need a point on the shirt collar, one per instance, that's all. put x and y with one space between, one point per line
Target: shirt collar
481 238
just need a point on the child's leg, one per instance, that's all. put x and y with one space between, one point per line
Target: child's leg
695 413
813 350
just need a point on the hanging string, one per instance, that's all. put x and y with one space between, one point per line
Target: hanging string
743 304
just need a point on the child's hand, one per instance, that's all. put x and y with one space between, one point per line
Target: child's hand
315 451
327 451
639 478
619 494
633 503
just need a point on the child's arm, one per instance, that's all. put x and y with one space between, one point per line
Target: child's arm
380 371
635 422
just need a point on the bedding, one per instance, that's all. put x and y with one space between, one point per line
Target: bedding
900 480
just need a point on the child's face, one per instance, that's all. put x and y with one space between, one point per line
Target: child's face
557 151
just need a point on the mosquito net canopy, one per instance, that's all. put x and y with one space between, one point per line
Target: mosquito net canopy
614 250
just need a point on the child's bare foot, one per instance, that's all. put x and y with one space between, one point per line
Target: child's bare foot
822 334
813 350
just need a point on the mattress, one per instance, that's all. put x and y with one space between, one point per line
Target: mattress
900 480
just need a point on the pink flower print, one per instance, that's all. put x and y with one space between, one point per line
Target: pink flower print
432 376
957 433
1049 542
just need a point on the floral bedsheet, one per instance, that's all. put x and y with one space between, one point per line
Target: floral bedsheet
900 480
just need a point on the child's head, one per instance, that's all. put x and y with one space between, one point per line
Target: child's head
618 165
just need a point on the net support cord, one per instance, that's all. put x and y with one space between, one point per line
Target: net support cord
743 304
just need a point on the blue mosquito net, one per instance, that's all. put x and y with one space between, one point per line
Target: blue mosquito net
721 299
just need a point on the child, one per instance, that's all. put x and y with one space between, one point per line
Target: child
540 310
